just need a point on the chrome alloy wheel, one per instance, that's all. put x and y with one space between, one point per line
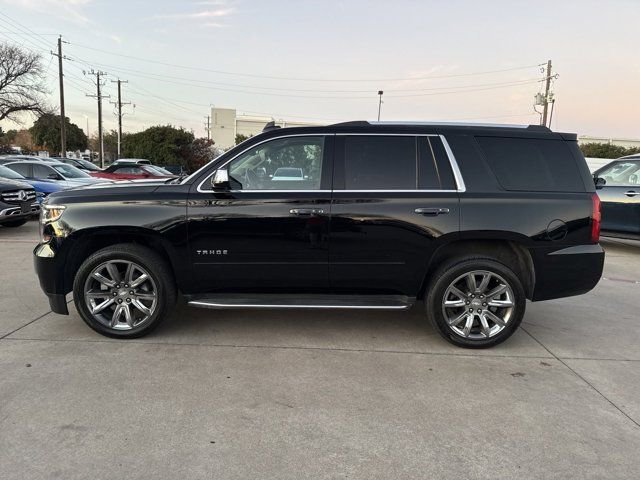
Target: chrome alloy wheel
478 305
120 294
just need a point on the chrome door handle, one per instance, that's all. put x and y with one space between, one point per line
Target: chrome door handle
431 211
306 211
631 193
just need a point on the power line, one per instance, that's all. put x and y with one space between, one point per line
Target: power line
438 90
161 77
305 79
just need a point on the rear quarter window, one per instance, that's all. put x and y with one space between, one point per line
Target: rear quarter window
531 164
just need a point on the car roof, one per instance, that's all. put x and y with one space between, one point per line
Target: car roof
37 162
418 128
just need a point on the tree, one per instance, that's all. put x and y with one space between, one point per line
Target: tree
24 140
240 138
606 150
163 145
46 132
110 143
22 87
197 153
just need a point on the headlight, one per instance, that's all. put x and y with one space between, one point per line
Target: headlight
51 213
48 215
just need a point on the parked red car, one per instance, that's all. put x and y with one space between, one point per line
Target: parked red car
132 171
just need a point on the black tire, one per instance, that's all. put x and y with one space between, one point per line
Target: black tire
14 223
452 270
152 262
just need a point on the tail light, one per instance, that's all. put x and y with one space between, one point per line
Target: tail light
596 217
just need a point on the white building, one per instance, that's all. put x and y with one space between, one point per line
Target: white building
226 124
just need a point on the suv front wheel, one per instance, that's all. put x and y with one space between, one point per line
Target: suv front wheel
124 291
475 302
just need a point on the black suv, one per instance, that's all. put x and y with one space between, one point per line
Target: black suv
17 202
471 219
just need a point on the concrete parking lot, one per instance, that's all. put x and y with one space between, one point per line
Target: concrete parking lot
295 394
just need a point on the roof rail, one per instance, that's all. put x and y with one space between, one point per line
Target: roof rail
362 123
352 123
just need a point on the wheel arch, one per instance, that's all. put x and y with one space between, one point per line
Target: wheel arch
88 241
509 252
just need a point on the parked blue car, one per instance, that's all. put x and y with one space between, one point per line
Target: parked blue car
42 187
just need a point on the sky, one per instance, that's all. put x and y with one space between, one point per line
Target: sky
324 61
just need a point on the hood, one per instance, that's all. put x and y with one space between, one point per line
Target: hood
86 180
105 187
45 186
8 184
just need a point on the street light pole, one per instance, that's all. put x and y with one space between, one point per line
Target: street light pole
380 92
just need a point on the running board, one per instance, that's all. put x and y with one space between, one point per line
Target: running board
365 302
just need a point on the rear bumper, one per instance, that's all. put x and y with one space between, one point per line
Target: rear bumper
566 272
50 271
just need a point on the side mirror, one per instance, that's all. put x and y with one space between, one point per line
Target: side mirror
599 182
53 176
220 180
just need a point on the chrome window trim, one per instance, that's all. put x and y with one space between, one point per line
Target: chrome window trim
398 191
457 174
275 191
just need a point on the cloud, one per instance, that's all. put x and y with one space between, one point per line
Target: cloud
204 14
215 3
68 9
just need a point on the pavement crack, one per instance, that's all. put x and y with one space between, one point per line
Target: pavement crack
25 325
583 379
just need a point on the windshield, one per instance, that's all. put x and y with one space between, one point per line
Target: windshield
159 170
69 171
88 165
8 173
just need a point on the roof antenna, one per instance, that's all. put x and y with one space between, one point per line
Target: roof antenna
270 126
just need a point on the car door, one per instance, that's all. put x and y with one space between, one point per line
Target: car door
262 233
620 197
394 200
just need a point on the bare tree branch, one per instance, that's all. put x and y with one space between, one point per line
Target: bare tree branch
22 86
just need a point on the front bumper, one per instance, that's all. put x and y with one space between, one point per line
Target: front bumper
50 270
566 272
16 212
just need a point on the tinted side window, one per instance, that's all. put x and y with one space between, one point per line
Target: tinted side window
380 163
21 168
622 173
527 164
434 170
129 170
41 171
290 163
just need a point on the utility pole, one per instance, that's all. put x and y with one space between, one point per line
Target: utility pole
63 123
207 126
99 96
380 93
546 95
119 104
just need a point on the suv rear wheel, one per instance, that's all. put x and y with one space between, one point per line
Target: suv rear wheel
124 291
475 302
